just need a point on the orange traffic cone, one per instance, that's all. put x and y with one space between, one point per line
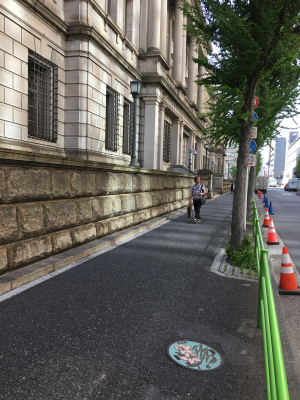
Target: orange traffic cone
267 219
272 237
287 277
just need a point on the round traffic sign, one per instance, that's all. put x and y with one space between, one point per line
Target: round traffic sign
255 117
252 147
256 102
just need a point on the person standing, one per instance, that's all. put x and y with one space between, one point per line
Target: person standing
232 187
196 191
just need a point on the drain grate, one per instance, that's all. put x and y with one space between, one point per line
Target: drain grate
194 355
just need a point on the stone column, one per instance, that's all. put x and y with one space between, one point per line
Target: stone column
160 163
151 132
192 72
199 156
177 53
200 99
170 52
175 143
163 27
154 12
183 70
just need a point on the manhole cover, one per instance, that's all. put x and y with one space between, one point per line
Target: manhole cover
194 355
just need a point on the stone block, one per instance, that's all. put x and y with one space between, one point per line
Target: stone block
154 212
20 84
20 117
13 30
26 184
6 78
60 184
128 203
28 40
102 207
102 228
21 52
83 234
117 224
84 211
6 112
128 220
30 218
13 64
8 224
28 251
143 200
59 214
116 205
6 43
140 183
83 184
13 131
61 241
3 259
141 216
13 97
126 180
109 183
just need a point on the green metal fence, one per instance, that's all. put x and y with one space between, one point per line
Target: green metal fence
276 382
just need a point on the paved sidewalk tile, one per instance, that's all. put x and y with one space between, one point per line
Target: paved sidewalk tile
101 330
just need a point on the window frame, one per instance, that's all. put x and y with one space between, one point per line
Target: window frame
112 120
42 98
127 127
167 142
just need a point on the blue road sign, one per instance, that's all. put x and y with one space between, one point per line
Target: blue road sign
255 117
268 163
252 147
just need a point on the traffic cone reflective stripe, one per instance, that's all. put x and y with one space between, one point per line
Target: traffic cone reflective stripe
272 237
287 276
267 219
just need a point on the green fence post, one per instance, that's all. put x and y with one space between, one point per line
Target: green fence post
267 371
281 382
260 290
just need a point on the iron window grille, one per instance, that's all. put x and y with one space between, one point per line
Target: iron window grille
167 142
42 98
112 119
127 127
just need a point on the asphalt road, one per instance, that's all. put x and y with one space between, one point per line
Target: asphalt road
286 206
101 329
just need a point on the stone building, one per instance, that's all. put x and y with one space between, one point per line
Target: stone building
65 72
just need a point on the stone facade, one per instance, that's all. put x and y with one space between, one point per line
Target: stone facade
51 204
95 48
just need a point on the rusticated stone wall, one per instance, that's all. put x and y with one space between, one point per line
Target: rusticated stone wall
226 185
47 207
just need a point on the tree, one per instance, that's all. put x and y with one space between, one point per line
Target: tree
297 169
251 38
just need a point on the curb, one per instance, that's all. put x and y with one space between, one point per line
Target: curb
20 277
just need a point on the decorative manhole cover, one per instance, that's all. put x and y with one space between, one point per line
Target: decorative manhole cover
194 355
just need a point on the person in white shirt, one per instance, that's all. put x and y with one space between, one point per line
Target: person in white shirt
196 191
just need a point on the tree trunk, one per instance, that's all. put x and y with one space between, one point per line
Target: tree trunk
238 208
251 188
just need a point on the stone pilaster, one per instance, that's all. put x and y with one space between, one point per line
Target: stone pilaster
162 108
192 73
200 98
183 61
176 150
151 132
154 12
163 27
178 39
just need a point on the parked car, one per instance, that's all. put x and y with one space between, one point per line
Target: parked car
272 182
292 185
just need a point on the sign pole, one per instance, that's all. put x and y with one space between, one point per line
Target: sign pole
246 194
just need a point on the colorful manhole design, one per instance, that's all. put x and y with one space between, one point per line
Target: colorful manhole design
194 355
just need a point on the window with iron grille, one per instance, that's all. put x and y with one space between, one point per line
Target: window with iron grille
42 98
167 142
112 119
127 127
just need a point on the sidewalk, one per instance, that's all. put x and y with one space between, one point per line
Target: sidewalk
101 329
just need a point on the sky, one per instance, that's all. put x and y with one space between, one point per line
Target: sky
289 123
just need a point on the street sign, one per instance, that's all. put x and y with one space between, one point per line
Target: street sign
252 147
255 117
252 160
254 132
268 163
256 102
